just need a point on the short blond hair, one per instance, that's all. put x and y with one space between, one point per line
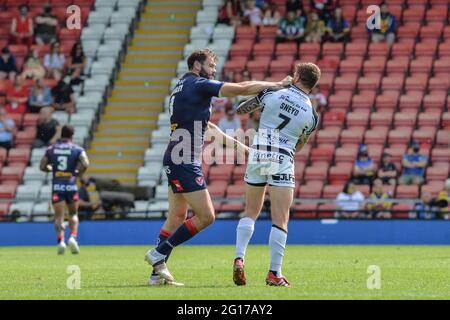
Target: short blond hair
308 73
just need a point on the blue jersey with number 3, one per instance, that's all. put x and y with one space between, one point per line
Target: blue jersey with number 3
63 156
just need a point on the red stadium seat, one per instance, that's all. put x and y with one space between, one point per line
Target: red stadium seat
440 154
237 64
353 135
430 32
283 65
364 100
217 189
341 172
304 210
328 135
402 49
443 138
431 189
407 192
327 210
430 118
329 64
398 64
375 64
309 49
435 100
267 34
322 153
387 100
417 81
346 153
438 14
257 66
411 100
397 151
369 82
331 191
409 31
382 118
341 100
379 49
332 49
393 81
245 33
425 135
333 118
440 81
345 82
222 172
401 135
235 191
241 49
376 135
286 49
358 118
351 64
12 173
405 119
357 49
442 65
264 49
3 156
401 210
421 65
19 155
30 119
311 190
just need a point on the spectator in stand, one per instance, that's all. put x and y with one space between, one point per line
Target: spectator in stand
315 29
76 63
364 167
231 12
388 25
444 198
230 122
414 164
8 66
318 99
17 97
63 97
33 68
253 14
87 205
323 8
425 209
387 172
291 28
22 27
40 97
296 6
271 14
337 27
7 127
379 202
46 26
48 129
54 62
350 201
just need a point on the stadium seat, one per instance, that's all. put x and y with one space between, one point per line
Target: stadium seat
351 64
304 210
353 134
401 211
326 211
346 153
333 118
400 135
311 190
407 192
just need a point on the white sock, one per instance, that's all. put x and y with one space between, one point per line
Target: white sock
244 233
277 244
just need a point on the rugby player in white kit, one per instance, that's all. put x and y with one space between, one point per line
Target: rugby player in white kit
287 120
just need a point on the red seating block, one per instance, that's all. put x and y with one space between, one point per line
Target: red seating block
7 191
401 135
311 190
304 210
401 210
407 192
19 155
222 172
236 191
352 135
322 153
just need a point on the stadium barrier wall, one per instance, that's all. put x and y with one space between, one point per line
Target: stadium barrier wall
144 232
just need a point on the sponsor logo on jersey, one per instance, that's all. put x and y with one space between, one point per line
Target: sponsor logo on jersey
64 188
62 174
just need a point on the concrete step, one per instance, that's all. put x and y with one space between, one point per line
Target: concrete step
126 126
136 99
148 70
122 153
135 108
144 77
151 49
156 82
168 15
136 162
121 135
143 87
133 118
139 94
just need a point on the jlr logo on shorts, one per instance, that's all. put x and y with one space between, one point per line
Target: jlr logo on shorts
288 178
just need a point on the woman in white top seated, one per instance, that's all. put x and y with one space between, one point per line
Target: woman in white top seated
349 201
54 62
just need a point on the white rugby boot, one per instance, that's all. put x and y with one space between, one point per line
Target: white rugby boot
61 248
156 259
73 245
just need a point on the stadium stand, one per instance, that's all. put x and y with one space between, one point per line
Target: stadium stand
107 28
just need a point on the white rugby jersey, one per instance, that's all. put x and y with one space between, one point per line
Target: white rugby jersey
287 114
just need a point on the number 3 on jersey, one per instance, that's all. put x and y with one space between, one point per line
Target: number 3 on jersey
62 163
285 122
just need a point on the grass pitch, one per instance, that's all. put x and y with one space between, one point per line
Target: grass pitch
316 272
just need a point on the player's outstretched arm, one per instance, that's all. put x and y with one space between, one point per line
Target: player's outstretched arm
248 106
83 164
249 88
228 140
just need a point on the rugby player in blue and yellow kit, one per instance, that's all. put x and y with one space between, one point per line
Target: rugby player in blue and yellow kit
66 161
